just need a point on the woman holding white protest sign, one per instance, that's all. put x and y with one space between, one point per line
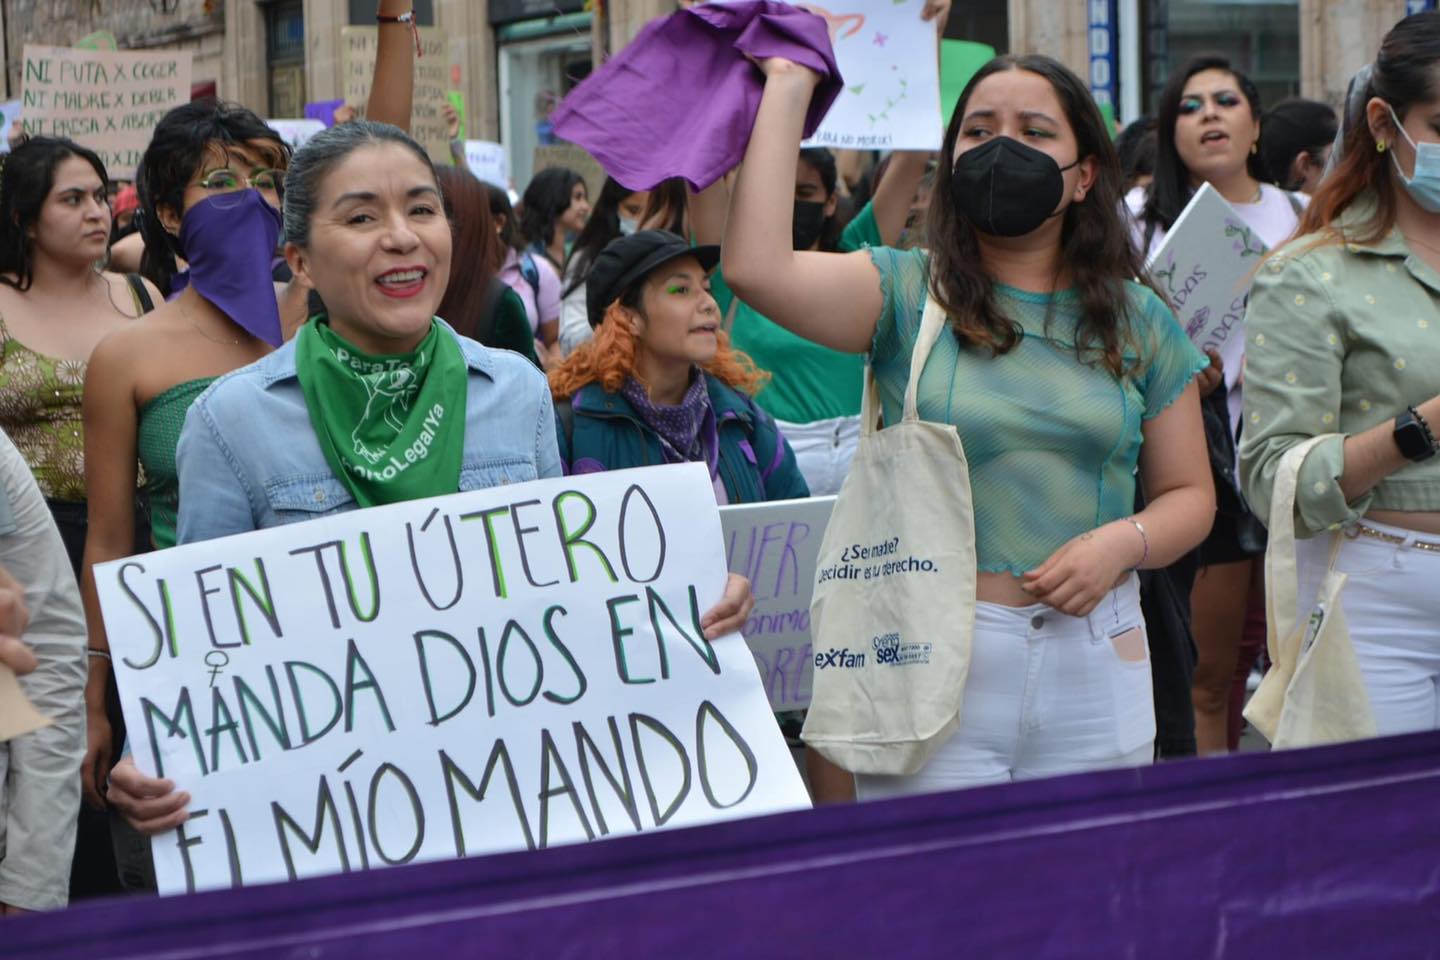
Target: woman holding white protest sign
1032 262
1208 131
1343 343
210 185
365 227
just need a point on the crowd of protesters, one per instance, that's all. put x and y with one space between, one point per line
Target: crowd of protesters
1121 490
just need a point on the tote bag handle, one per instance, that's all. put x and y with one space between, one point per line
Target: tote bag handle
932 324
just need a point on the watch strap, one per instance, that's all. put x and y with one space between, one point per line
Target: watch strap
1413 436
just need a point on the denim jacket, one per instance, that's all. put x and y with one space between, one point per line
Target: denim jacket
249 458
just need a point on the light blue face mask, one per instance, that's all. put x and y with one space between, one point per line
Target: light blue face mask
628 226
1424 184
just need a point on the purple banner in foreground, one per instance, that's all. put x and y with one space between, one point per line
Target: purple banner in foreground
1333 852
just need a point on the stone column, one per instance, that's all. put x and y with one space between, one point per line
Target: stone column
1055 29
626 18
243 77
1337 38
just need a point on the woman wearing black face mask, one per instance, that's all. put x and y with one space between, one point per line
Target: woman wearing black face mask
1055 368
814 392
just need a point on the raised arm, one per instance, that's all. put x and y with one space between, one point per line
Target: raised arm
832 299
392 89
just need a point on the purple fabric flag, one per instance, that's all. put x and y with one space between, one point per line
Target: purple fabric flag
680 100
1323 853
323 110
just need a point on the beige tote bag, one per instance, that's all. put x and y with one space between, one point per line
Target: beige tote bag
894 604
1313 692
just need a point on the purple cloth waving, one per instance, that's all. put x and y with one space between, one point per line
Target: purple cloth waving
681 99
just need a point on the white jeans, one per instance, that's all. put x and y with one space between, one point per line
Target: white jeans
1392 606
1047 694
823 451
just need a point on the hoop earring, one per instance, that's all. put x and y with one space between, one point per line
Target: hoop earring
1379 146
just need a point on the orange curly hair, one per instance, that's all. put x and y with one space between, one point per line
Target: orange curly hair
609 358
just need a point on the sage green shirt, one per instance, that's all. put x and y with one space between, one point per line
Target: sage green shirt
1340 337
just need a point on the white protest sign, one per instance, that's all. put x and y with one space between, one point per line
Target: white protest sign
890 60
1204 268
107 100
295 132
489 162
776 546
498 670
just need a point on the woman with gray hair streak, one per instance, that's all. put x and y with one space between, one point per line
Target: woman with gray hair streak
364 226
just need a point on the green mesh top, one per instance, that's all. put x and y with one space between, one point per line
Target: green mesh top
156 439
1052 443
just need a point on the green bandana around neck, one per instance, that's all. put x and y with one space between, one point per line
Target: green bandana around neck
392 427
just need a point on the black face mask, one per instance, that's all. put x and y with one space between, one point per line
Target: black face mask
808 224
1007 189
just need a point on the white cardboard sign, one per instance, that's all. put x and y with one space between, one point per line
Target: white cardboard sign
890 60
295 132
776 546
489 162
1204 268
498 670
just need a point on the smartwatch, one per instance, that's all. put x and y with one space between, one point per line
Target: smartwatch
1413 436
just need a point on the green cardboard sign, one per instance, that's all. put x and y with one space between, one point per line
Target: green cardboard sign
959 61
457 100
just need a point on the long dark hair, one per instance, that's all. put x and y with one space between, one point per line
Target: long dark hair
477 247
602 227
822 161
176 151
1289 128
1095 242
545 200
504 214
25 182
1171 189
1404 76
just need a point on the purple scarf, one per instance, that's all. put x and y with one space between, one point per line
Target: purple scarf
680 99
687 431
229 242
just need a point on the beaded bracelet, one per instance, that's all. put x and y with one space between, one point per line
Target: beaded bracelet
1143 539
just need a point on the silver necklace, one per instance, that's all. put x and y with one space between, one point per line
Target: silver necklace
188 316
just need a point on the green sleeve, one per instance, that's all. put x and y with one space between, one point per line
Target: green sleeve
721 291
862 231
512 327
1296 340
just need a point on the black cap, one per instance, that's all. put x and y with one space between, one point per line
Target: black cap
627 260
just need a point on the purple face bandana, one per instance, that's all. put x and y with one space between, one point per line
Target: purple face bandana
229 241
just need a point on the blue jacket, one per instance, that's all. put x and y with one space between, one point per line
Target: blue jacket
249 458
606 433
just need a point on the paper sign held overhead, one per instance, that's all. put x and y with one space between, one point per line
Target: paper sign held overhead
889 58
109 101
776 546
505 669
